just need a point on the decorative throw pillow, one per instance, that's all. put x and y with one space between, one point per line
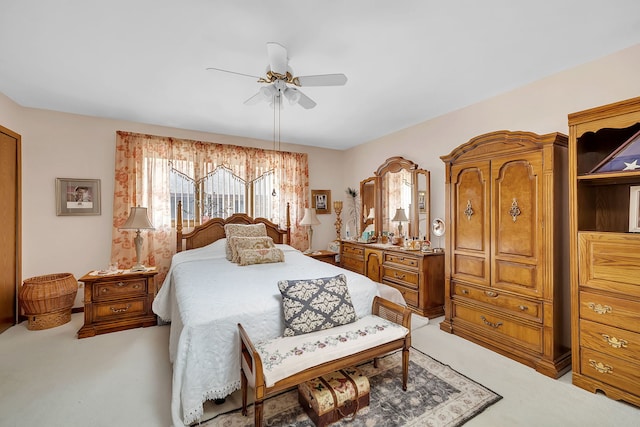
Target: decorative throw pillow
316 304
242 230
260 256
239 243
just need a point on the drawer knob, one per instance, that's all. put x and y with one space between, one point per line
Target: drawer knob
104 290
523 307
493 325
615 342
120 284
136 286
601 367
491 294
465 291
600 309
120 310
398 276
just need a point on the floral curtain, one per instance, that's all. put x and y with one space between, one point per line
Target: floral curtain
142 169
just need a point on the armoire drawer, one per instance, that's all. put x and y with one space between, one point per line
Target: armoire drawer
491 324
519 306
611 370
612 341
410 279
610 310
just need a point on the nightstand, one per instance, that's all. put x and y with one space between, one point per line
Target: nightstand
324 256
115 302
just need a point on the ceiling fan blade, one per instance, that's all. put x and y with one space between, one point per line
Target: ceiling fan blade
304 101
277 58
321 80
232 72
254 99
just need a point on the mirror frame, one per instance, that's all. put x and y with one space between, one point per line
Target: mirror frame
393 165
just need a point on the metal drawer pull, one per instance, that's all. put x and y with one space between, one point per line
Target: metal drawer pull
136 286
523 307
120 310
466 292
600 309
398 276
493 325
490 294
121 284
615 342
601 367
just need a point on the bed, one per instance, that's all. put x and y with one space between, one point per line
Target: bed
205 296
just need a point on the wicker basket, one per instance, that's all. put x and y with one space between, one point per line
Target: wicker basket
47 300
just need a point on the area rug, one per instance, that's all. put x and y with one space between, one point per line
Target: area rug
436 396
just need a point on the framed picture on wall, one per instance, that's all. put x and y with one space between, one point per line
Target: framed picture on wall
77 196
634 209
321 201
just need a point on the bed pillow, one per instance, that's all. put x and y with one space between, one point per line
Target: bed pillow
242 230
315 304
240 243
260 256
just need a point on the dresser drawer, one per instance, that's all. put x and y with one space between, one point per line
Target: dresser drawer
119 309
352 264
610 370
618 312
410 279
104 291
498 327
355 251
410 295
401 259
612 341
519 306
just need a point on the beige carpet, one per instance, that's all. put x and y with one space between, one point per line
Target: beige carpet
436 395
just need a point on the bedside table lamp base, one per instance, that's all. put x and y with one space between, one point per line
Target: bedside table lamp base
138 219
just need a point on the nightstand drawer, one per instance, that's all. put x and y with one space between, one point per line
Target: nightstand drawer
119 309
120 289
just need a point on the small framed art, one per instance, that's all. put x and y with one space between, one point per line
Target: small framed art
634 209
321 201
77 196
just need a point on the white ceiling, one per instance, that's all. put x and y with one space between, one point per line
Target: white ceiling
406 61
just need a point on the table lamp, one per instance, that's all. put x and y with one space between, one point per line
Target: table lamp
399 217
138 220
309 219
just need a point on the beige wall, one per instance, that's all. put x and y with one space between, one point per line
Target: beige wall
66 145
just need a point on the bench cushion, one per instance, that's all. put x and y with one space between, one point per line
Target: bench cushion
283 357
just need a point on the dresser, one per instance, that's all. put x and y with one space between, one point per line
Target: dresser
505 279
605 249
418 276
115 302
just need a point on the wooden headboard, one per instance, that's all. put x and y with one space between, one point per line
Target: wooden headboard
213 230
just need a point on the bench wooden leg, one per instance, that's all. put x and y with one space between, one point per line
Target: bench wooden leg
375 362
258 414
405 367
243 386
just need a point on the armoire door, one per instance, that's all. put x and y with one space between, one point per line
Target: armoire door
517 227
470 222
10 219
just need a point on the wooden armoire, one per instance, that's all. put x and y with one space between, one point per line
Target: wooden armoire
507 218
10 218
604 152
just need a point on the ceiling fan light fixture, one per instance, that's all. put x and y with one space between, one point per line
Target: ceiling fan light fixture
292 95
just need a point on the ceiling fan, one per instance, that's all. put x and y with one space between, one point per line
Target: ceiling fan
280 80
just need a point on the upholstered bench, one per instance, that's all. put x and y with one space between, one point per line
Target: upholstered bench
272 366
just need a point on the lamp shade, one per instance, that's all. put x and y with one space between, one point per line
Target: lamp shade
309 217
138 220
400 215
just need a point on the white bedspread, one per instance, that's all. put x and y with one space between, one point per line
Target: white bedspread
205 297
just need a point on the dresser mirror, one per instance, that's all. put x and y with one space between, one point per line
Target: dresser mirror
397 199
